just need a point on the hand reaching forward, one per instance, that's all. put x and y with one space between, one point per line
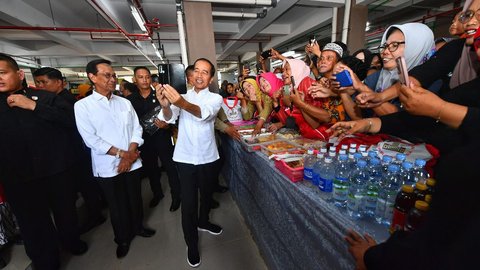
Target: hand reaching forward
358 245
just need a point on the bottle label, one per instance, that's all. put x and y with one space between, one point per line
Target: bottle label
308 174
398 221
340 189
328 185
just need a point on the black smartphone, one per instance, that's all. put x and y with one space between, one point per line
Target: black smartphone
266 54
174 75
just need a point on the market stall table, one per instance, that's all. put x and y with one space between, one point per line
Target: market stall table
293 226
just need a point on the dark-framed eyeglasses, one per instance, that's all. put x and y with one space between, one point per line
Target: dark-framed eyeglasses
108 76
468 15
393 46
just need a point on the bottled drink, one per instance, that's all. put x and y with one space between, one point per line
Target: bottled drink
421 175
387 195
341 182
317 168
372 154
431 186
399 159
403 203
353 146
342 152
356 191
327 173
406 174
364 156
416 216
420 191
308 166
386 160
428 199
344 147
362 148
373 184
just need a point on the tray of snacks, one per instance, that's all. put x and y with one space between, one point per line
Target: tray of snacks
291 167
288 134
254 143
248 131
308 143
277 147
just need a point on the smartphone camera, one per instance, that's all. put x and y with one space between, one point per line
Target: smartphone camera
344 78
266 54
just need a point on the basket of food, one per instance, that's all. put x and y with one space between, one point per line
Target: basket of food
278 146
292 168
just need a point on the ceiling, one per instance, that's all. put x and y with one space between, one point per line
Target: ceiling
66 34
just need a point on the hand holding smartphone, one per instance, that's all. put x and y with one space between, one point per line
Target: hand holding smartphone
266 54
344 78
402 71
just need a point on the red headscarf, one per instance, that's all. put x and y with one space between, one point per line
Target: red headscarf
275 83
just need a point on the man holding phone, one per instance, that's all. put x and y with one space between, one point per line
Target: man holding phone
195 152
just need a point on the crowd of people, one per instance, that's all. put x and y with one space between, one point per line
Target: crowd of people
103 139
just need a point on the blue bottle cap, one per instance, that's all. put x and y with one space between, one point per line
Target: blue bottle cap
357 156
420 162
374 161
400 156
407 165
361 163
387 159
343 157
372 154
393 168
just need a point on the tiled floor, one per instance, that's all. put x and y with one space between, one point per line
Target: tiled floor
166 250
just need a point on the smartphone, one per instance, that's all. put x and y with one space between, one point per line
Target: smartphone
402 70
174 75
344 78
266 54
312 40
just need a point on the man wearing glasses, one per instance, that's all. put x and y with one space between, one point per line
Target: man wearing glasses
110 127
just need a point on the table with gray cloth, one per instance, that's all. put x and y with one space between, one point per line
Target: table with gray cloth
293 226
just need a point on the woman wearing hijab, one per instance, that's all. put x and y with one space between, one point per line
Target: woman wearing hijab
258 103
415 42
270 86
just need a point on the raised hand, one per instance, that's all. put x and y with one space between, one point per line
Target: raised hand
171 94
161 96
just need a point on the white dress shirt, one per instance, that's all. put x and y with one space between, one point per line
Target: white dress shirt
196 136
104 123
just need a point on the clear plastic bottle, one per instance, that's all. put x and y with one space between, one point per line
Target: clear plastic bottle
386 160
421 174
308 164
317 168
353 146
341 182
406 174
416 216
373 185
386 196
372 154
362 148
399 159
357 190
327 174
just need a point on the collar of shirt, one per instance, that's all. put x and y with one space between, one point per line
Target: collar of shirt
99 96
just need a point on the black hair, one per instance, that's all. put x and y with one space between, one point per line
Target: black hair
141 67
212 67
358 67
10 61
230 84
189 70
92 66
131 87
51 73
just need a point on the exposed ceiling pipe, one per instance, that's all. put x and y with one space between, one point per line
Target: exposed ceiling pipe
346 20
240 14
334 24
241 2
68 29
181 32
104 14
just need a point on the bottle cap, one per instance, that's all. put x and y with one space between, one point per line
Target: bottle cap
407 165
420 186
319 155
372 154
431 182
361 163
343 157
344 147
400 156
310 151
393 168
420 162
421 205
407 188
323 150
357 156
342 151
328 160
387 159
428 198
374 161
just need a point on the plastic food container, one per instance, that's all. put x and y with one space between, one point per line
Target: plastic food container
308 143
292 168
254 143
278 146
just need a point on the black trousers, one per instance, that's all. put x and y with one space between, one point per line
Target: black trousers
31 203
160 146
192 179
124 198
87 185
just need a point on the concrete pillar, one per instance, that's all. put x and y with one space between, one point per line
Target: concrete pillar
199 32
356 32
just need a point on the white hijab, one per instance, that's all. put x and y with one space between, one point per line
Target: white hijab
419 46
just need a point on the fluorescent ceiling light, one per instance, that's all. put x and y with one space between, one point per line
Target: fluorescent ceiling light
158 54
288 54
138 18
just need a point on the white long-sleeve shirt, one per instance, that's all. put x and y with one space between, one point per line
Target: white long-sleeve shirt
196 136
104 123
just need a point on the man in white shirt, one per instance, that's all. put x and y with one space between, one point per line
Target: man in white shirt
109 126
195 151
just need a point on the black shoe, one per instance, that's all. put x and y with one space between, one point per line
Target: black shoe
122 250
155 200
175 205
193 257
145 232
91 223
221 189
215 204
78 248
211 228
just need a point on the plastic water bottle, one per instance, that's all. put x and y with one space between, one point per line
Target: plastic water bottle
386 196
386 160
406 174
341 181
362 148
356 191
421 175
342 152
344 147
327 174
308 164
374 180
316 169
353 146
372 154
399 159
